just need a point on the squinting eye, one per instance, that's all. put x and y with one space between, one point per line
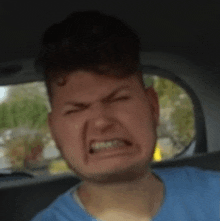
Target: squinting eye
121 98
73 111
69 112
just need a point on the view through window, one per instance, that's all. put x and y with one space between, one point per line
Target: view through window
26 144
177 121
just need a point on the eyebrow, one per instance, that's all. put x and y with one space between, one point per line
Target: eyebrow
103 100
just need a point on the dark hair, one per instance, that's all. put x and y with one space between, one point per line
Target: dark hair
88 40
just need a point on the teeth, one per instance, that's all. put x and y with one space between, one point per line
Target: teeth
108 144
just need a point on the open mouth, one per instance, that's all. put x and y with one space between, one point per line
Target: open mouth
108 145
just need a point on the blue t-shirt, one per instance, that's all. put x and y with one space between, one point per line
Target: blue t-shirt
190 194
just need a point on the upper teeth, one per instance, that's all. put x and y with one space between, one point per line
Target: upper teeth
107 144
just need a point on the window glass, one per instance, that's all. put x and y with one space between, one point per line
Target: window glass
26 144
177 122
25 141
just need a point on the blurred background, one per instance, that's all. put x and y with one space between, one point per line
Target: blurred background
26 144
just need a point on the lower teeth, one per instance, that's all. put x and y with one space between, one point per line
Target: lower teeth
111 147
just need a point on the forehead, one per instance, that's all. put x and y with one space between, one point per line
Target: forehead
82 84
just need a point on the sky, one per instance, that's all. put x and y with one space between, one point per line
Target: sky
3 93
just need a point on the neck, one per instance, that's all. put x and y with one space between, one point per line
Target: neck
140 197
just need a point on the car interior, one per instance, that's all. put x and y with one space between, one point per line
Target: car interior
180 42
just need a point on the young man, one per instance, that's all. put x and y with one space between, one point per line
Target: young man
104 122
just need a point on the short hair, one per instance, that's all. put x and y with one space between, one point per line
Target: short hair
90 41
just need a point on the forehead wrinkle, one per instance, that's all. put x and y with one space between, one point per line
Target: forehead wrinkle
103 99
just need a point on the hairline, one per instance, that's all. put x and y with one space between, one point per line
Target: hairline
49 81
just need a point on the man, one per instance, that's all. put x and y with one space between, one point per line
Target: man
104 122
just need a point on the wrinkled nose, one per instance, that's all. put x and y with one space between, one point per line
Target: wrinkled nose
102 124
101 119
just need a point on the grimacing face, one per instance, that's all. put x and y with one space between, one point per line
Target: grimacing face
90 109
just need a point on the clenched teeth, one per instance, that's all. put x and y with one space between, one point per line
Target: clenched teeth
108 144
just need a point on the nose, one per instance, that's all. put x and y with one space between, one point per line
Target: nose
101 119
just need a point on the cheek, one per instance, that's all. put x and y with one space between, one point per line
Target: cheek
67 135
136 114
67 126
138 120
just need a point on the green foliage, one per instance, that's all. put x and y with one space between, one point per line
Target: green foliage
181 117
28 112
168 92
30 91
25 114
22 109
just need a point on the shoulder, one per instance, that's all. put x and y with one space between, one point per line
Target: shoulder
50 213
192 173
63 208
191 183
189 176
193 192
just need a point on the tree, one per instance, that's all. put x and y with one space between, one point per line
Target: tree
24 113
29 90
27 112
177 116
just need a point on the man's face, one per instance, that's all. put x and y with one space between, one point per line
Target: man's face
105 127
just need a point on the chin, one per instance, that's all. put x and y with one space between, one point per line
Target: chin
134 172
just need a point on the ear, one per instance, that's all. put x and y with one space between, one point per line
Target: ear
154 103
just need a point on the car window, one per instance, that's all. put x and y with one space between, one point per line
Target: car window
26 144
177 121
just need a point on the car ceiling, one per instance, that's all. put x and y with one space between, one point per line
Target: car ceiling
184 27
187 26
